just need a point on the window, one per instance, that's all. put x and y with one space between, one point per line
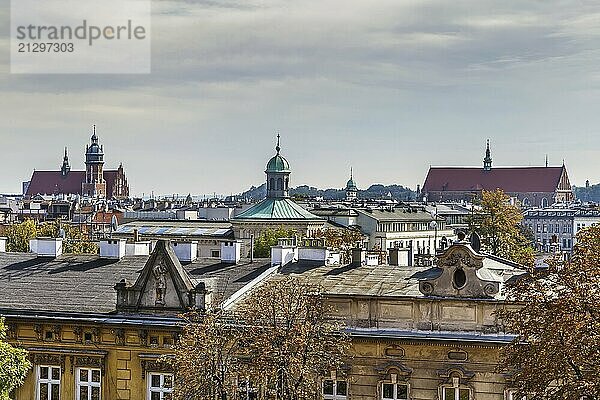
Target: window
394 391
215 253
160 386
334 389
88 384
456 393
48 382
246 390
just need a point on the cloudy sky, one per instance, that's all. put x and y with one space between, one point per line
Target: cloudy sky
388 87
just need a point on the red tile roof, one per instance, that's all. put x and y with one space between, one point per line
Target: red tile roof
519 179
52 182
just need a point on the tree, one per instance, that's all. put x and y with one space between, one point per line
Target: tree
557 326
18 236
14 365
269 238
499 224
75 241
343 240
206 357
277 344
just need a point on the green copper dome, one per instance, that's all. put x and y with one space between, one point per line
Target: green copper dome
351 184
278 164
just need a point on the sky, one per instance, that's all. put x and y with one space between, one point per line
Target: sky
388 87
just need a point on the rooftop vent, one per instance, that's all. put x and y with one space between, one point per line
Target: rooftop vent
46 246
231 252
138 249
113 249
186 251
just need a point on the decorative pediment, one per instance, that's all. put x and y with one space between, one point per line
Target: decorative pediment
456 275
163 285
447 375
393 371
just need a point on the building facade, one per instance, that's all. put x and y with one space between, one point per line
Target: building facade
530 186
95 181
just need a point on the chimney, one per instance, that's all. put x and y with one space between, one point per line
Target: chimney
138 248
372 259
399 257
231 251
198 296
186 251
3 244
46 246
136 235
285 252
112 249
359 256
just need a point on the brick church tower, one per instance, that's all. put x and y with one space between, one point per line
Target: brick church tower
94 184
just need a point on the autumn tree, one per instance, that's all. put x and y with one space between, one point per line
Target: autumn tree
557 326
14 365
206 357
269 238
499 224
277 344
343 240
75 242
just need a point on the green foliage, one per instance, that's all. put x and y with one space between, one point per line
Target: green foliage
557 323
18 236
14 365
268 239
75 241
499 225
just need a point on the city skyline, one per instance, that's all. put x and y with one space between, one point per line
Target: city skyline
388 89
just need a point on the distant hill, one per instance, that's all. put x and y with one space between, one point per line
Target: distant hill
588 194
376 191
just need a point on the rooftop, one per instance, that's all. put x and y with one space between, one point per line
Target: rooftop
277 209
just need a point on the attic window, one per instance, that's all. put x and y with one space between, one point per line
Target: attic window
87 337
49 335
460 279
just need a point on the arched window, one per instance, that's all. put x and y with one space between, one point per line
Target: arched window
526 202
279 184
272 184
287 182
544 202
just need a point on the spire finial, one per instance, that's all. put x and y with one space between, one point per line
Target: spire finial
350 172
66 156
546 160
487 161
94 137
277 147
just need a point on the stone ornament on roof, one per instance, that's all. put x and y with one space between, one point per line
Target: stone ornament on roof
457 275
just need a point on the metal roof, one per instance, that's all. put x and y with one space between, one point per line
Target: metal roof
277 209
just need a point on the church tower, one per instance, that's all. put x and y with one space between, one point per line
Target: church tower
94 185
66 167
351 189
487 161
278 176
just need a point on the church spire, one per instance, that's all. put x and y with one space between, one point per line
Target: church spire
65 165
487 161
